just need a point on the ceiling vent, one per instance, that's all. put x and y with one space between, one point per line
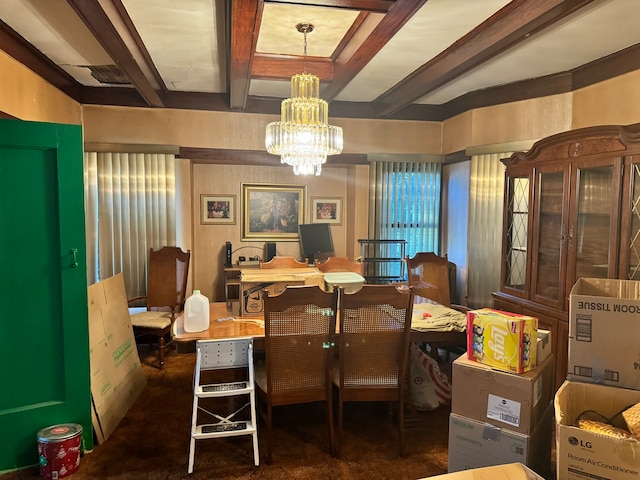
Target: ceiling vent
108 74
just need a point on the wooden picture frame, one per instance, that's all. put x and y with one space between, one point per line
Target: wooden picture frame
326 210
272 212
217 209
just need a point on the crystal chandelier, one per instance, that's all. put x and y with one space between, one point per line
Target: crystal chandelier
303 137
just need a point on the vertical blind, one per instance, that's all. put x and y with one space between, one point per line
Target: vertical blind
484 242
129 207
405 204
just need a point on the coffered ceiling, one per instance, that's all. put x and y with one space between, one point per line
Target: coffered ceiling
414 59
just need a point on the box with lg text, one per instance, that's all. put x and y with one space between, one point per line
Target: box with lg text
584 454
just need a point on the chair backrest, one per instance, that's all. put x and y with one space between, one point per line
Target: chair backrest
340 264
167 278
375 323
283 262
429 276
299 328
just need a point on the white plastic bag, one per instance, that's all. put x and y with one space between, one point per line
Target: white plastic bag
430 388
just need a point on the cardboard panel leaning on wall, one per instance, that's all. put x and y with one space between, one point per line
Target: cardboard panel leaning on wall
116 374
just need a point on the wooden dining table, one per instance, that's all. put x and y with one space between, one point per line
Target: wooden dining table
430 323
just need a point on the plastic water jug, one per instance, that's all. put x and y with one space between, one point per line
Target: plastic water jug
196 312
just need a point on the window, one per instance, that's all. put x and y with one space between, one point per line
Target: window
406 204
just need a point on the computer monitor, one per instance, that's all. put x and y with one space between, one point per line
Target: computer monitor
316 242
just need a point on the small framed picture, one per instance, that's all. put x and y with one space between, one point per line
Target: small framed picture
326 210
217 209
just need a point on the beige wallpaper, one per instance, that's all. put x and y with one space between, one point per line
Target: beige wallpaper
208 254
26 96
242 131
612 102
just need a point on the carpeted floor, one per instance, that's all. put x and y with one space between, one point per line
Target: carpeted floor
152 441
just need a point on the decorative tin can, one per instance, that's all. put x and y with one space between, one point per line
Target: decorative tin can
59 450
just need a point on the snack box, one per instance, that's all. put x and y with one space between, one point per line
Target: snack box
505 341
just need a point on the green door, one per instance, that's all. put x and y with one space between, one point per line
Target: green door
44 358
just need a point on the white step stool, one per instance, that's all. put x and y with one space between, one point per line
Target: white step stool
221 355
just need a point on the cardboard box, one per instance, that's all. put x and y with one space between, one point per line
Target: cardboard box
474 444
511 471
275 280
503 340
116 374
544 345
604 326
582 454
506 400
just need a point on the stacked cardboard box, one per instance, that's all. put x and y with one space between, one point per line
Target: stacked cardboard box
499 417
603 381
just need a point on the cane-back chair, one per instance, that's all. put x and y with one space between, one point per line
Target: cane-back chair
167 273
375 323
299 329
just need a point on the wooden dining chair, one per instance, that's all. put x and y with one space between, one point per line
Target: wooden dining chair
167 273
429 277
340 264
299 328
375 323
283 262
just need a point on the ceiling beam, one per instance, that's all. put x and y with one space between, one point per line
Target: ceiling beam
379 6
254 157
267 66
246 16
371 34
99 24
508 27
17 47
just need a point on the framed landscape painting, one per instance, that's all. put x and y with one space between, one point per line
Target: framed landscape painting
217 209
272 212
326 210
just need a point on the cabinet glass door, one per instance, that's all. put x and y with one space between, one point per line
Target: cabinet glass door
632 242
591 248
517 229
550 246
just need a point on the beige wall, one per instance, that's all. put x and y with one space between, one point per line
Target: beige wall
243 131
26 96
612 102
524 120
208 252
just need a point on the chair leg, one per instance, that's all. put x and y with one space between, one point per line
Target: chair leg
161 347
401 424
339 436
332 443
269 421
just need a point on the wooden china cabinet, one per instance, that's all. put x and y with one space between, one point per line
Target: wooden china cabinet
571 210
